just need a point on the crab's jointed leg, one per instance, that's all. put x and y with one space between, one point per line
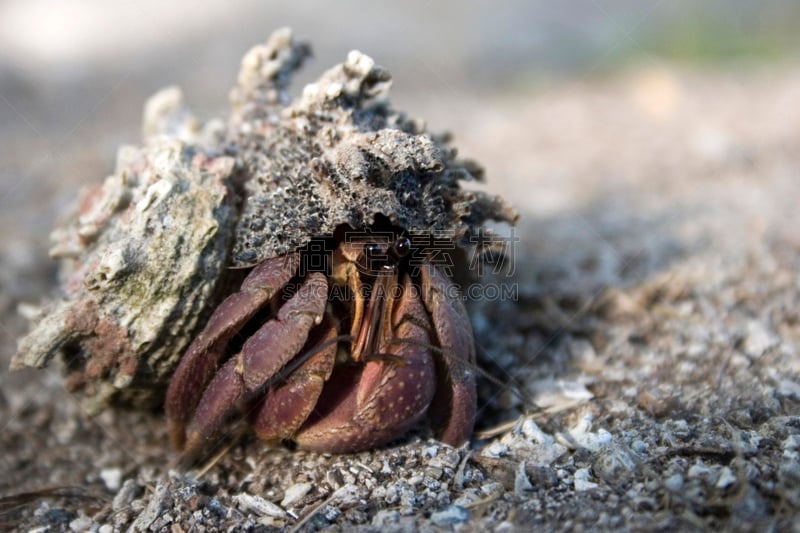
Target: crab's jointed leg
201 359
453 409
262 356
288 404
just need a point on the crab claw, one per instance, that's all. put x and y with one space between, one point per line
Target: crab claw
368 405
454 407
262 356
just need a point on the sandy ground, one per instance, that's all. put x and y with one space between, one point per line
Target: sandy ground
655 326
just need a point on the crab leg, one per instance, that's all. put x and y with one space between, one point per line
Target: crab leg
361 409
287 405
201 359
262 356
454 407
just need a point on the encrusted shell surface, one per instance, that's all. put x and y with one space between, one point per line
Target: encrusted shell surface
339 154
142 256
146 255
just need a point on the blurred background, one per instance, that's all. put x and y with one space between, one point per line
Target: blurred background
577 109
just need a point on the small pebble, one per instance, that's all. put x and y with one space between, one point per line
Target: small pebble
521 482
453 514
81 524
434 473
258 505
330 513
758 339
466 500
385 517
492 488
505 527
533 433
580 435
495 450
582 351
726 478
112 477
295 493
674 482
699 470
749 442
415 480
613 464
214 506
581 480
430 451
129 491
347 496
790 471
160 501
678 424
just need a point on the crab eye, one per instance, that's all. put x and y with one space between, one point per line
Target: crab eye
372 250
401 247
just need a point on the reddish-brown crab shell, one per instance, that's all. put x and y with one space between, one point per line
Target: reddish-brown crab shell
348 349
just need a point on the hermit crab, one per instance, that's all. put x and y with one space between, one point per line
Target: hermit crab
409 349
292 265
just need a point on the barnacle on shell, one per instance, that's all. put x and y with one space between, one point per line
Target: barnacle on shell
146 254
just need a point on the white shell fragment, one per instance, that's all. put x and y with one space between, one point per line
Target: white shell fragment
258 505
